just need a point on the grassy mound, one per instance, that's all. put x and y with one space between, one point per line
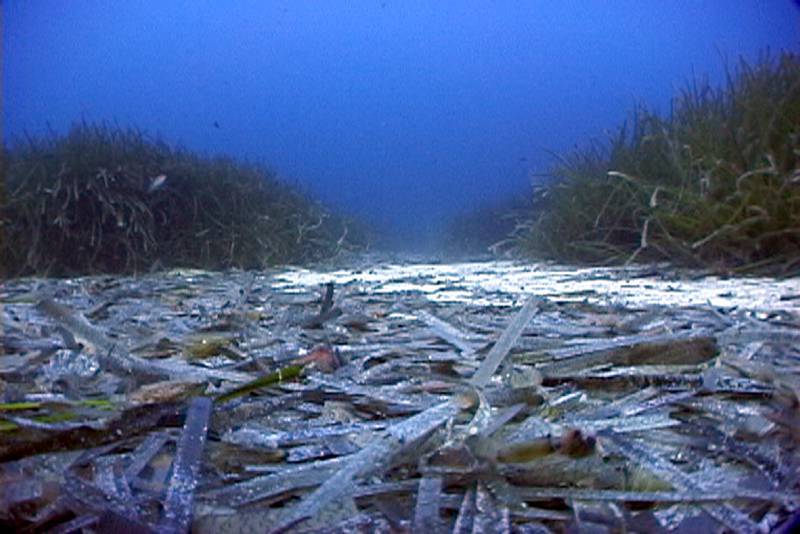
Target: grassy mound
103 199
714 185
475 232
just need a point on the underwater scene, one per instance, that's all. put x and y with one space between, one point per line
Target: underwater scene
400 266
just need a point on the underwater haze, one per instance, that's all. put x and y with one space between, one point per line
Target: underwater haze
404 112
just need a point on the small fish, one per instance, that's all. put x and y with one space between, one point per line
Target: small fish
572 443
157 182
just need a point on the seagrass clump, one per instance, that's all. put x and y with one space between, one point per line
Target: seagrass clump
476 231
105 199
715 185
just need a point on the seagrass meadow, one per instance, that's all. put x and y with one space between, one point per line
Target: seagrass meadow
107 199
715 184
400 267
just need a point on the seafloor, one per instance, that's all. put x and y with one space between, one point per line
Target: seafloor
398 396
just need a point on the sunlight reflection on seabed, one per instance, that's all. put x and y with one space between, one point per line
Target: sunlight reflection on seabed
505 283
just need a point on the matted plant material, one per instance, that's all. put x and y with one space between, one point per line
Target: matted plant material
716 184
380 399
103 199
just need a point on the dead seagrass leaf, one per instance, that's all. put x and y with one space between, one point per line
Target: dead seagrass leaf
167 391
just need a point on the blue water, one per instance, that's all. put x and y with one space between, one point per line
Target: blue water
403 112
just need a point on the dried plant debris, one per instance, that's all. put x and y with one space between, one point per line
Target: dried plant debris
237 401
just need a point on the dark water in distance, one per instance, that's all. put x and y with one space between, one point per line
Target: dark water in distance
404 112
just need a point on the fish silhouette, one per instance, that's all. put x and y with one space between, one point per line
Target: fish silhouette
156 182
